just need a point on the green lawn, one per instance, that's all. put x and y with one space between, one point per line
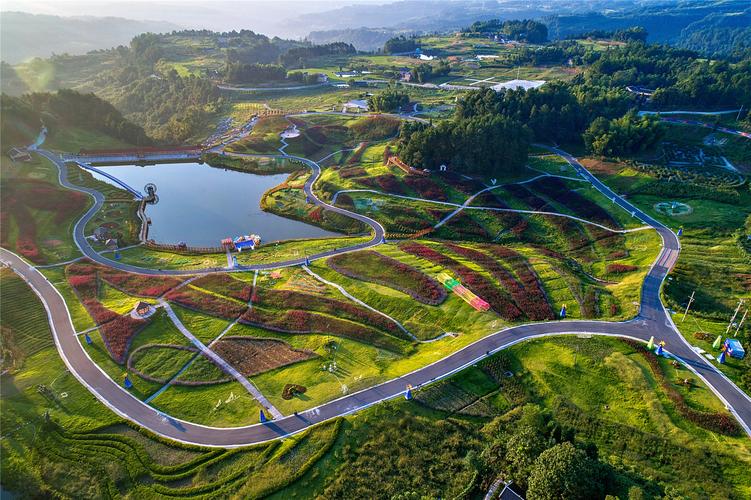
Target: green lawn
40 210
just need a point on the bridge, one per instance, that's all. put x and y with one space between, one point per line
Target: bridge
111 177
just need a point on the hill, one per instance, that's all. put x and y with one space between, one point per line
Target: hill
23 35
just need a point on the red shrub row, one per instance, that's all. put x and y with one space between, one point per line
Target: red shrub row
620 268
383 270
289 299
532 298
346 173
389 183
476 282
533 201
357 154
206 303
583 207
119 333
426 187
117 330
140 284
719 422
468 228
224 284
296 321
528 294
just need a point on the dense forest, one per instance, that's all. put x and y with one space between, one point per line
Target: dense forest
399 44
425 72
526 30
298 57
388 101
254 73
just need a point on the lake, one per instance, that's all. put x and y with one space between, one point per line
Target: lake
201 205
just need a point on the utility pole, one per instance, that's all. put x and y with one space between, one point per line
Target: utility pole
690 300
740 303
741 322
738 117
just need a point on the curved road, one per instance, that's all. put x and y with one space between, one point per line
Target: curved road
652 320
83 244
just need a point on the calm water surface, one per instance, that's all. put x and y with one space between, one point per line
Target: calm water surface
201 205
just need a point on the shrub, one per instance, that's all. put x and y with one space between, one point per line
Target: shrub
620 268
140 284
297 321
377 268
476 282
721 423
289 299
224 284
292 390
206 303
426 187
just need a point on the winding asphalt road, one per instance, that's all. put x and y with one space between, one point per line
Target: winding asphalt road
84 246
652 321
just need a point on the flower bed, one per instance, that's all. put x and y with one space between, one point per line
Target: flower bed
290 299
527 292
721 423
224 284
583 207
21 195
140 284
251 356
303 322
467 228
119 333
375 267
426 188
476 282
206 303
357 154
620 268
88 273
385 182
346 173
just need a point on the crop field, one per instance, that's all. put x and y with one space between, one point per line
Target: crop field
253 356
37 214
23 334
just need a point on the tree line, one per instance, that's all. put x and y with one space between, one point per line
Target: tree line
525 30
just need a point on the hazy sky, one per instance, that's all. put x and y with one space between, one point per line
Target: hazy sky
266 16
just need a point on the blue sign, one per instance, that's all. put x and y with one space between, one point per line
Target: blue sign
88 339
263 417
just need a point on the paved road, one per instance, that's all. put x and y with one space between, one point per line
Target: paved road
652 320
712 126
84 246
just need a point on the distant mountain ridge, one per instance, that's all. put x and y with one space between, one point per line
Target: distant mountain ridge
24 36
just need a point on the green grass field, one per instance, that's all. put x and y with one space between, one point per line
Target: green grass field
37 209
599 389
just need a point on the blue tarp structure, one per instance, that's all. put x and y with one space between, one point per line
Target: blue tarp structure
735 349
243 245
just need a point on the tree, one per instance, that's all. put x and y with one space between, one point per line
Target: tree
399 44
564 472
522 449
628 134
390 100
